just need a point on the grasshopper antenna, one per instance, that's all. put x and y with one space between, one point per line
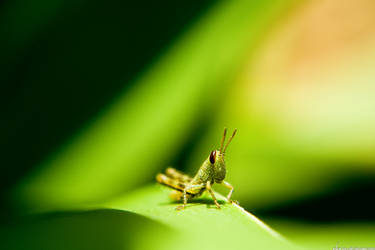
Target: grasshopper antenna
223 139
230 139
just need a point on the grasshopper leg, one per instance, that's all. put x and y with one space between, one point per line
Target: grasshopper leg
185 201
177 175
173 183
208 186
229 196
189 188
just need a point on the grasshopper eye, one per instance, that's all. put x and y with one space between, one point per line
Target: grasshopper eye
213 157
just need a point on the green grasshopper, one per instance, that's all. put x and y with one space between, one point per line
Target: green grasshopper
212 170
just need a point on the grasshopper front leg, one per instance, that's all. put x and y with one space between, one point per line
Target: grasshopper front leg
208 187
228 185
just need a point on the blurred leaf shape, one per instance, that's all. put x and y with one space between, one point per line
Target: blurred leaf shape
147 125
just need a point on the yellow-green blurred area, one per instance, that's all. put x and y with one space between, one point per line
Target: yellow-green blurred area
98 97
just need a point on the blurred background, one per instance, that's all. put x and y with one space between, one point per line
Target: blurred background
96 98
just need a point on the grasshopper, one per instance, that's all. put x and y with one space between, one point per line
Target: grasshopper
213 170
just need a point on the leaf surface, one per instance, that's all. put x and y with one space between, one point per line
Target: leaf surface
201 223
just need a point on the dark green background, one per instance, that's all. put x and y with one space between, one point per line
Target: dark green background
61 66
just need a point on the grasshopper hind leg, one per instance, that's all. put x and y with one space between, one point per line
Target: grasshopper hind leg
183 189
170 182
177 185
177 195
177 175
194 189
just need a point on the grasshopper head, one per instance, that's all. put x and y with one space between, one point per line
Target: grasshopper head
216 158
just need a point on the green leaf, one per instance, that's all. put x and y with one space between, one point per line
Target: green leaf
95 229
201 225
145 219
